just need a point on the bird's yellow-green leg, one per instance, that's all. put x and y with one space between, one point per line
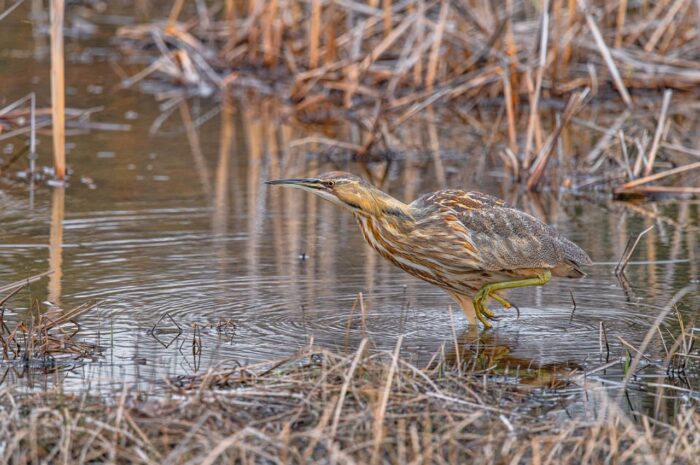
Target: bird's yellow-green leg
488 289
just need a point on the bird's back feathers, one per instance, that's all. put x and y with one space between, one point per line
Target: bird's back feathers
506 238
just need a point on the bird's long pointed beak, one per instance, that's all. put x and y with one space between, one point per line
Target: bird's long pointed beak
308 183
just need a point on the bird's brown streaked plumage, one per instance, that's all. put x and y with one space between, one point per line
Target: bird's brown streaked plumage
470 244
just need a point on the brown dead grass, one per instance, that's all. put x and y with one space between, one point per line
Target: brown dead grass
322 408
381 65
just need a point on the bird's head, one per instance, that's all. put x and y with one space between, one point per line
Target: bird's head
348 191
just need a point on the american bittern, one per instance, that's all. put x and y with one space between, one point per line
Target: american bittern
472 245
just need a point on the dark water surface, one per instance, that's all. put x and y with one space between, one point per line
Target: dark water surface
179 228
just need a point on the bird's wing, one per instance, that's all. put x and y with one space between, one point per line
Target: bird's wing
503 237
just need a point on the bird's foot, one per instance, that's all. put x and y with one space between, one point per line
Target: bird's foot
482 312
505 303
501 300
488 313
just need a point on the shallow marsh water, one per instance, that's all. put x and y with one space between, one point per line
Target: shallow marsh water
176 228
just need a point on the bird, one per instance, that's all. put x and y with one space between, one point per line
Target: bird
472 245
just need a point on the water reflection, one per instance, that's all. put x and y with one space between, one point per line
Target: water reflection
489 352
182 225
58 200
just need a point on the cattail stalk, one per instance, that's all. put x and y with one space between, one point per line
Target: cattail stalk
58 102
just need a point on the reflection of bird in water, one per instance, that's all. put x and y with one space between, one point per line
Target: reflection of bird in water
493 356
470 244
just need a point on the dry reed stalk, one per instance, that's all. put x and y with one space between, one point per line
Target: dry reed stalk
663 190
572 107
649 18
605 52
620 23
387 42
435 50
654 177
629 250
314 34
668 93
268 42
567 53
670 306
230 12
533 121
363 314
331 50
625 154
388 19
14 288
174 13
608 136
380 412
359 353
512 53
420 32
510 111
664 24
58 102
10 9
557 42
458 354
255 9
434 144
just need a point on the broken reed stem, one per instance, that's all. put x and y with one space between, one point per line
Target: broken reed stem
58 89
661 124
605 52
572 107
22 283
663 174
629 250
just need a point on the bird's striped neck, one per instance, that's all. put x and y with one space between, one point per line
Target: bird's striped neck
383 235
382 206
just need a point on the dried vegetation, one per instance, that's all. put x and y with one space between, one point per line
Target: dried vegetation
366 407
322 408
524 74
43 340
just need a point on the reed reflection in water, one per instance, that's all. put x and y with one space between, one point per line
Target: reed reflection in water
287 267
58 200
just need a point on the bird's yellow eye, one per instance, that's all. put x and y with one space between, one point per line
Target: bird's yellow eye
329 183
